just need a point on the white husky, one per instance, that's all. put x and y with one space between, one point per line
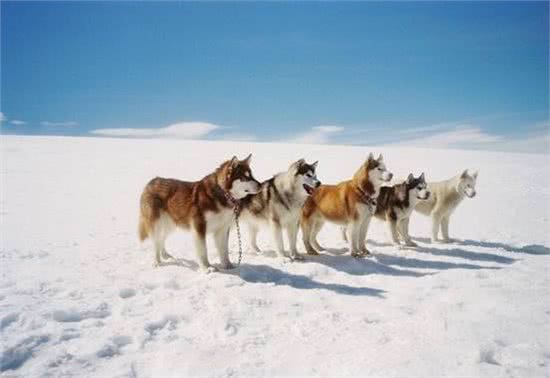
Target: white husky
446 196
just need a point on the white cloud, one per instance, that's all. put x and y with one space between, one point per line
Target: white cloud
317 135
474 138
59 124
3 117
183 130
453 138
17 122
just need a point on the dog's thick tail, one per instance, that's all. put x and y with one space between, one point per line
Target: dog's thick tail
143 231
152 202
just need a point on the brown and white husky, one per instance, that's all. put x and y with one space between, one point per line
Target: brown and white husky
204 206
350 203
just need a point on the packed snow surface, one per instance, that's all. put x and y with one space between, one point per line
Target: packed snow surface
79 295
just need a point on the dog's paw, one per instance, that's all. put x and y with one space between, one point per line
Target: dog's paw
297 257
166 256
357 254
256 249
448 240
285 259
209 269
313 252
156 264
228 266
410 243
366 253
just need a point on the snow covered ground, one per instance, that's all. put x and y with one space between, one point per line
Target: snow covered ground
79 295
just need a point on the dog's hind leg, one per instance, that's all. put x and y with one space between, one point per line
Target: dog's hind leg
221 238
436 222
344 231
306 235
317 225
252 234
292 233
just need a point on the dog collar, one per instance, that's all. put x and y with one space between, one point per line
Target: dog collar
366 199
232 201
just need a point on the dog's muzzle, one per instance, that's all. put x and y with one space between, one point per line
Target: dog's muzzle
426 196
309 189
470 193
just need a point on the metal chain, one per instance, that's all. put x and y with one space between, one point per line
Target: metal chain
237 212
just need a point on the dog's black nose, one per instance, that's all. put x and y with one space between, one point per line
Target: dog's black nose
318 184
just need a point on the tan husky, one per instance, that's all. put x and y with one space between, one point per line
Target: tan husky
447 195
204 206
350 203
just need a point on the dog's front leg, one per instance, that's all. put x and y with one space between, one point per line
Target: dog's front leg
363 235
445 228
221 238
277 233
200 248
392 225
404 231
354 230
253 233
292 233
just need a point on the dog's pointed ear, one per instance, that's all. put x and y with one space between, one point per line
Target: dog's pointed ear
314 165
474 175
234 161
248 159
464 174
380 157
371 157
296 165
410 177
422 177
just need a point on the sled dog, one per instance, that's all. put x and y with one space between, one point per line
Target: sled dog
396 203
446 196
204 206
350 203
279 204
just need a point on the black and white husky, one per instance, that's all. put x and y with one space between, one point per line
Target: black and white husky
278 204
396 203
447 195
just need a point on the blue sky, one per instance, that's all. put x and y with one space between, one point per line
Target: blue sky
466 74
